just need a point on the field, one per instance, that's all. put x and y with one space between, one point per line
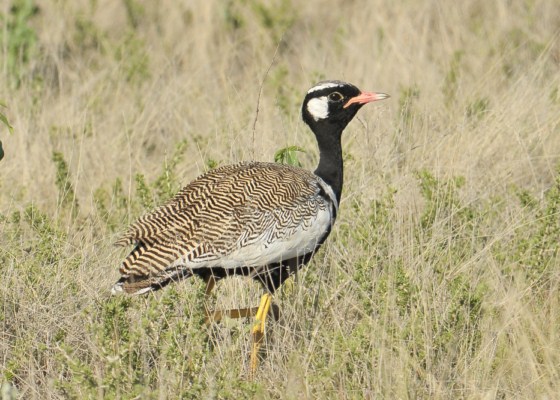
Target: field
441 277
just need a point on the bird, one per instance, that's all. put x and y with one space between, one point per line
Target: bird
257 219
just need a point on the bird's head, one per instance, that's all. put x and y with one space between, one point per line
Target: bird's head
333 104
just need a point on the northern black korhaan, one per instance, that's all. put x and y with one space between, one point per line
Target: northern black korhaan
258 219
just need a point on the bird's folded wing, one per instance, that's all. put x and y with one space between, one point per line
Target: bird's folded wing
241 215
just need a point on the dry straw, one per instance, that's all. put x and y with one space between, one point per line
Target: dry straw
440 279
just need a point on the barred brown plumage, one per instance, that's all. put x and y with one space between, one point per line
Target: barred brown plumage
221 211
264 220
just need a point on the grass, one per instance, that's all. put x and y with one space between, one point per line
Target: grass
440 279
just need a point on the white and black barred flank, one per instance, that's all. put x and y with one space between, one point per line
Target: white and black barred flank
248 214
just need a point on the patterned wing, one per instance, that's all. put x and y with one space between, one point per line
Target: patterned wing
246 214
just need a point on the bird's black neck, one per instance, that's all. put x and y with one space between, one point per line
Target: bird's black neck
330 168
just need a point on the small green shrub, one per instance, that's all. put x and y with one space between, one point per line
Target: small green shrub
538 252
288 155
87 36
134 11
275 16
6 123
4 119
116 209
136 340
478 108
451 82
66 195
408 97
166 184
20 39
211 164
134 58
287 96
112 206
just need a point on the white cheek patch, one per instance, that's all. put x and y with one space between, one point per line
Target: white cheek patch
322 86
318 108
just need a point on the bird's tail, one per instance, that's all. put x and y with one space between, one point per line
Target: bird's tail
135 284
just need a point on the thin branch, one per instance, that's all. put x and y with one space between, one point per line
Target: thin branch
260 92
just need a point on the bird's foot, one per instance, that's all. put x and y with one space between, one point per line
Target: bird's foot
258 330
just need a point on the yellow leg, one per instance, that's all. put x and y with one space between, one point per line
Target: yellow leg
210 283
258 330
217 316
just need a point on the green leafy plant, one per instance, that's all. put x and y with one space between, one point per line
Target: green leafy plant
537 249
66 195
288 155
166 184
19 37
5 121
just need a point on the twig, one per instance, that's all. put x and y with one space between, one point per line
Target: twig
260 92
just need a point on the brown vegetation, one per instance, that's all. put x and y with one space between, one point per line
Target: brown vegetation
441 277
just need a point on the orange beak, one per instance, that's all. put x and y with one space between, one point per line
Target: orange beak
366 97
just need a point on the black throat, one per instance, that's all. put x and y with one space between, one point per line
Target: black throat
330 168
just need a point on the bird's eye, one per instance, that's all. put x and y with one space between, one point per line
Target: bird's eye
335 96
